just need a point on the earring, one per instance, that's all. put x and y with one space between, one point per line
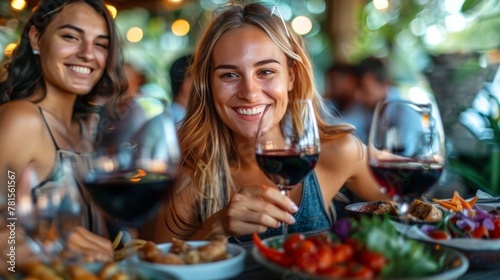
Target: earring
36 52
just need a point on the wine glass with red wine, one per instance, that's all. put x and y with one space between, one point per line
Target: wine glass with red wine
287 144
134 163
406 150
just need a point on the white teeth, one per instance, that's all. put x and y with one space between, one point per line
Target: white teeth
80 69
250 112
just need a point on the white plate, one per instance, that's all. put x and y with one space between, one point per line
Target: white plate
143 272
455 265
224 269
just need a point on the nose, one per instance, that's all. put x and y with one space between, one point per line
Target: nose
249 89
86 51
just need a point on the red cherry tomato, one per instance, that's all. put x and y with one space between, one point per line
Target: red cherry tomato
307 263
357 271
495 233
324 258
342 252
438 234
321 240
338 270
480 232
304 249
292 242
373 260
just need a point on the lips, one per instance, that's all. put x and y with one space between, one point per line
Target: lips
250 111
80 69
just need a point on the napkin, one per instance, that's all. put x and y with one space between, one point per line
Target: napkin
487 202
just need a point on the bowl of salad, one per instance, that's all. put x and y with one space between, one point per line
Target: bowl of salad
368 248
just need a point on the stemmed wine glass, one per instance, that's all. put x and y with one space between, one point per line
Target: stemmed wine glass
287 146
406 150
132 170
51 211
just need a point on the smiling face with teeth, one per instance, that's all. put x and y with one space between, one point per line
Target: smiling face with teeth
249 73
73 49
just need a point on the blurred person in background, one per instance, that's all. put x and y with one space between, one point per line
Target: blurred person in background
181 85
374 85
341 86
69 52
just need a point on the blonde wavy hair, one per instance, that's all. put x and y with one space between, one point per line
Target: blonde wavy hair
206 143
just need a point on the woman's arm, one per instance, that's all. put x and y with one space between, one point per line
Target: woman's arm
362 182
255 208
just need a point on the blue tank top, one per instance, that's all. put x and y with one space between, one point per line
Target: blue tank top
311 216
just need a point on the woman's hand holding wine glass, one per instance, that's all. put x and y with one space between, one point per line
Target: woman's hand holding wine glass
406 150
287 144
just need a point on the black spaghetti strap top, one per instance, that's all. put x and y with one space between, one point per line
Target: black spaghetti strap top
57 173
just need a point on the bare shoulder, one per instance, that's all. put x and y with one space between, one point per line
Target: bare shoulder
20 111
20 119
342 149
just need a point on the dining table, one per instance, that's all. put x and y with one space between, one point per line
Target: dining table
255 271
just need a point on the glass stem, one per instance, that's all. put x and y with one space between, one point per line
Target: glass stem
284 191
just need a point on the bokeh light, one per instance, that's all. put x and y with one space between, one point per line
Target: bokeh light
381 5
434 35
180 27
18 5
301 25
316 6
135 34
455 22
9 49
112 10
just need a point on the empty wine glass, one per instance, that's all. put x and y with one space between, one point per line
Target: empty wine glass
287 146
51 211
406 150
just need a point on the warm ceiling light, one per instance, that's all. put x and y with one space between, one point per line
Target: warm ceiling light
112 10
18 5
134 34
175 1
180 27
9 49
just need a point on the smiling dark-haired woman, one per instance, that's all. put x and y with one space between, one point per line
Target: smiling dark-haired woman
68 53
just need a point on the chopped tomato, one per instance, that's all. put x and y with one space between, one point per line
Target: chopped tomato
342 252
373 260
320 240
357 271
291 243
495 233
324 258
304 249
480 232
338 270
439 234
307 264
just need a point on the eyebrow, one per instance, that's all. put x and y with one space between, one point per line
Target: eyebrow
258 63
81 31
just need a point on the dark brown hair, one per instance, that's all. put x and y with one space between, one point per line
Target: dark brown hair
25 73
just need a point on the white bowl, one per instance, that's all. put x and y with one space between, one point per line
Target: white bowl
223 269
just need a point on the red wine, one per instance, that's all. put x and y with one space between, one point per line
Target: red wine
286 167
129 198
406 179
